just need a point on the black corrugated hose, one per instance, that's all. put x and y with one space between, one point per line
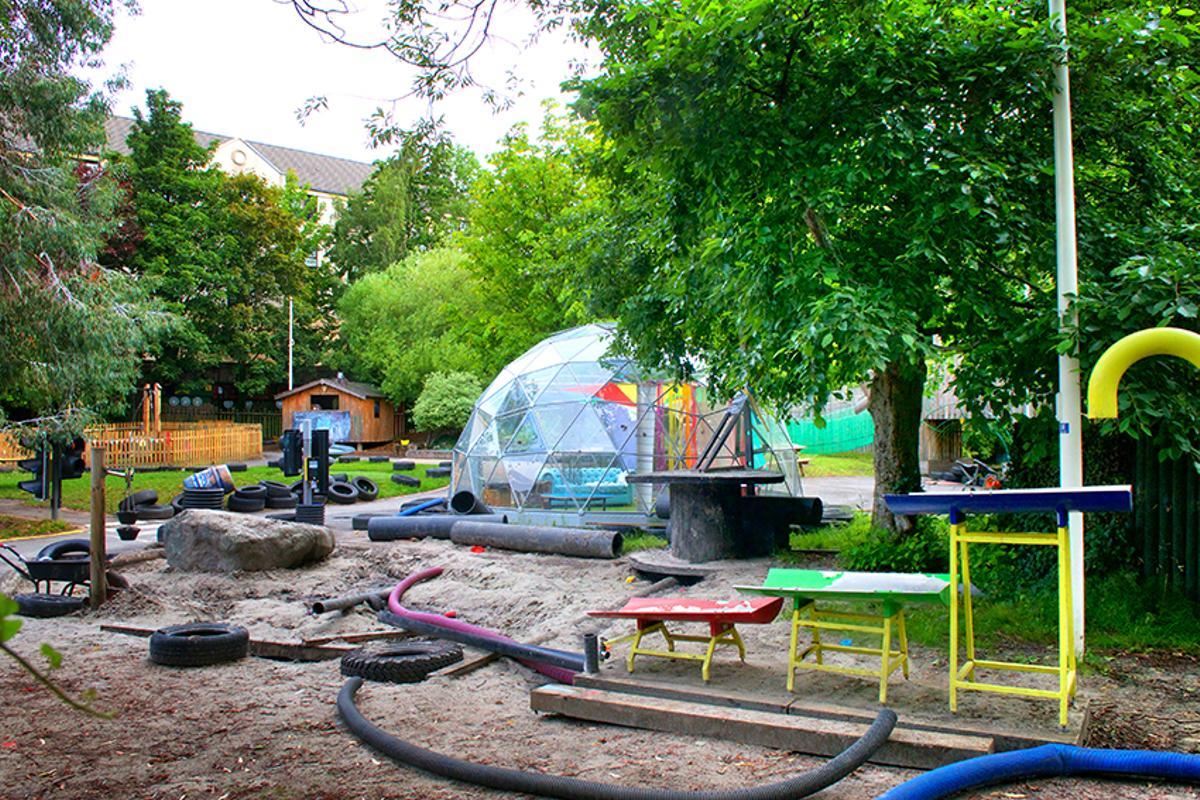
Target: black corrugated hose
536 783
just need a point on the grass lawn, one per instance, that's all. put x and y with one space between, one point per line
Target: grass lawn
20 527
1124 611
169 484
641 541
839 465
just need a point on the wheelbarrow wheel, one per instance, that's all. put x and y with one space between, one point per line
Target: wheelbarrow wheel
198 644
402 662
47 605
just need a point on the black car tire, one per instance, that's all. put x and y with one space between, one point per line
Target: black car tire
67 547
254 491
244 505
198 644
368 489
400 662
288 501
155 512
342 493
276 488
405 480
47 605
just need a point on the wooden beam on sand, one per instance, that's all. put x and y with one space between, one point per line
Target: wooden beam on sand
280 651
908 748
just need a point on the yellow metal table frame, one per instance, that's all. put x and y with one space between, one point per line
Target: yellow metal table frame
720 633
805 614
964 677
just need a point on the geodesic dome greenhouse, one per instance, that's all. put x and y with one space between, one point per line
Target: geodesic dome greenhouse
561 427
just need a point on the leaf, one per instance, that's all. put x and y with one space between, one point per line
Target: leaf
9 628
52 656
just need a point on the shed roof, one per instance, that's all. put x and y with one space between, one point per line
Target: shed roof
362 391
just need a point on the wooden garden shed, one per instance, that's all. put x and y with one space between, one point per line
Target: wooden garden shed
357 413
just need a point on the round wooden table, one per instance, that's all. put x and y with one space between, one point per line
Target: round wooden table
706 511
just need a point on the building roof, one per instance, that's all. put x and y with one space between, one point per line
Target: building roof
322 173
362 391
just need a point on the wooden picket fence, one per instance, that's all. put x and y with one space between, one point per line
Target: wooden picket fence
178 444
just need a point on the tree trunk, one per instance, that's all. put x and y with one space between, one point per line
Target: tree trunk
895 407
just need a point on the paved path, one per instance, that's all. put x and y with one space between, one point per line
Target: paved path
856 491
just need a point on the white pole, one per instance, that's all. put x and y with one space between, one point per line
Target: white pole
290 341
1070 439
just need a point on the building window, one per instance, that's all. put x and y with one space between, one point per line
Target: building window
324 402
376 409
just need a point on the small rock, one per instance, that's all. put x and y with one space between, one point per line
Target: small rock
217 541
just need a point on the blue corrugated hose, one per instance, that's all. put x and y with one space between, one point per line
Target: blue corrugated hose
408 512
1049 760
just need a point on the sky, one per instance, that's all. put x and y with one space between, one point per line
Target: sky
243 68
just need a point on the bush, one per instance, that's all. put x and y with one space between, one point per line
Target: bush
926 549
446 400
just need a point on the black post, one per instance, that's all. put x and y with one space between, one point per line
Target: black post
318 461
55 479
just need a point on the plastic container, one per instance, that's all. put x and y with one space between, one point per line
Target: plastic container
211 478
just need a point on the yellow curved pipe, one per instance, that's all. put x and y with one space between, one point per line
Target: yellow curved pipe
1102 386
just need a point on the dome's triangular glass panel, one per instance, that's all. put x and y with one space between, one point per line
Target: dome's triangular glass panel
562 426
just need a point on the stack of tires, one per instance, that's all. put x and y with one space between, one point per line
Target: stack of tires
211 498
246 499
144 504
256 497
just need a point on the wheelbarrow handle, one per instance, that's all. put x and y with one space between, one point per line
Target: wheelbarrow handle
19 565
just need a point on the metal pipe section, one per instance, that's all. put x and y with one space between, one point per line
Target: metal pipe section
348 601
465 502
433 526
580 542
591 653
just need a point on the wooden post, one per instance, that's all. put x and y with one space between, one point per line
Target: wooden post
157 409
99 590
146 408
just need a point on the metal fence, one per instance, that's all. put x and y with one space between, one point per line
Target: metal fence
1166 525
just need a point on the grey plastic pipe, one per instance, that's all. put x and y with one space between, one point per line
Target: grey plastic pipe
433 526
581 542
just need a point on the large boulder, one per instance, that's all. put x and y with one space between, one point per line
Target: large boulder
217 541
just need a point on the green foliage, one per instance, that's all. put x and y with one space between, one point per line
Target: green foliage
418 317
411 203
530 219
75 330
446 400
221 252
9 627
641 541
925 549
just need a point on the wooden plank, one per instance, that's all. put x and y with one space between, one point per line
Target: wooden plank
907 748
1004 739
285 651
97 555
369 636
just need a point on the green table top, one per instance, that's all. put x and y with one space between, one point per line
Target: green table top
816 584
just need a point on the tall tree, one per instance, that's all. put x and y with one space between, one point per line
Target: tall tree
419 316
75 329
526 238
222 252
832 193
412 202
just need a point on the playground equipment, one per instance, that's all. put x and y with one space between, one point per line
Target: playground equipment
1124 353
1057 501
722 616
808 586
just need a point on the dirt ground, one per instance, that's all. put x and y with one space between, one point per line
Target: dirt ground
268 729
